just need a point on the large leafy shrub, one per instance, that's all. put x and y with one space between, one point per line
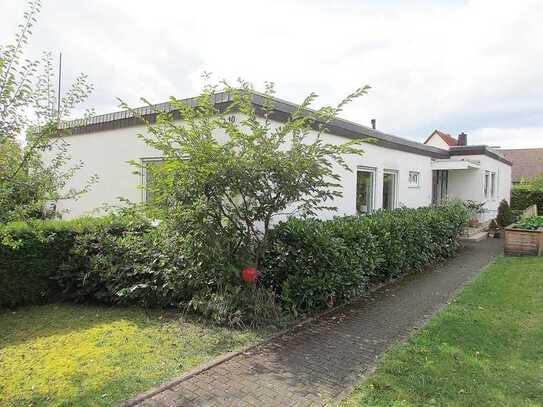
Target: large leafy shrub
312 264
118 259
134 260
254 171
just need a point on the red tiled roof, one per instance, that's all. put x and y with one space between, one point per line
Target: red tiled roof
527 162
447 138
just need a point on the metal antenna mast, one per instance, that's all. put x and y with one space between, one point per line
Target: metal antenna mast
59 86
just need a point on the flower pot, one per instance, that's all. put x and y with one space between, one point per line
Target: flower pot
473 222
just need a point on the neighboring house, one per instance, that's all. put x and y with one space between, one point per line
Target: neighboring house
393 171
441 140
527 162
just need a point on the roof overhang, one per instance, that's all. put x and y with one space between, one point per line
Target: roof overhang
478 150
452 164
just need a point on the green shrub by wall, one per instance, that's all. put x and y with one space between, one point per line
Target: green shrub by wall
112 260
312 263
30 257
523 196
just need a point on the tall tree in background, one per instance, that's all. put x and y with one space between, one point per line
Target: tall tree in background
30 118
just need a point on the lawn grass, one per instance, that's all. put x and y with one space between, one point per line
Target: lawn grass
59 355
485 349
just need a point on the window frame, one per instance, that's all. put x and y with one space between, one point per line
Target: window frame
409 183
144 161
486 184
371 204
493 185
395 195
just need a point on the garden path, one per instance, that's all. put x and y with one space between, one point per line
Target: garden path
320 362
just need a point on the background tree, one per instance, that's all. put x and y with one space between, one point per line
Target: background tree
30 118
262 169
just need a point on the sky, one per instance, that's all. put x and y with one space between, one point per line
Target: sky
472 66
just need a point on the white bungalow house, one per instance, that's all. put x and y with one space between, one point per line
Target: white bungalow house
392 172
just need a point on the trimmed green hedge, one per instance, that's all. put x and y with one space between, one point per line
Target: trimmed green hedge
31 255
112 260
523 196
312 263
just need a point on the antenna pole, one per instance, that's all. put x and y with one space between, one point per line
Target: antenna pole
59 86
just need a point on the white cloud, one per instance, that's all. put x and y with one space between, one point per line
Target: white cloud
453 65
530 137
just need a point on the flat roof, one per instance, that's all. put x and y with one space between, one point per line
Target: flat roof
282 111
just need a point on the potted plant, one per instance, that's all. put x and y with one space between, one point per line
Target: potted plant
474 210
493 230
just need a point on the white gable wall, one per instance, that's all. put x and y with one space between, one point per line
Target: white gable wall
437 141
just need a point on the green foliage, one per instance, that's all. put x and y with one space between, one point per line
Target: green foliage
91 356
119 259
130 259
31 255
35 173
259 169
313 264
238 306
134 260
505 215
527 194
493 225
530 223
483 350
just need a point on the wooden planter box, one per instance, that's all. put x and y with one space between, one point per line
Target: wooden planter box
523 242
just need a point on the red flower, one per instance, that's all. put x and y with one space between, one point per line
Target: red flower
248 274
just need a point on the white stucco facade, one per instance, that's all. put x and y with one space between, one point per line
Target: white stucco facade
470 183
107 154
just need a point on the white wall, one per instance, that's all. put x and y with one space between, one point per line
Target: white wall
469 184
107 154
382 159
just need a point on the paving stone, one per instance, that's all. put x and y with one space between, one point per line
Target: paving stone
318 362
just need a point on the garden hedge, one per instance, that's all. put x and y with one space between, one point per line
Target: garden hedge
31 255
310 264
523 196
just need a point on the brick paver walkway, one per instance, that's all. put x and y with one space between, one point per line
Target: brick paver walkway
320 362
